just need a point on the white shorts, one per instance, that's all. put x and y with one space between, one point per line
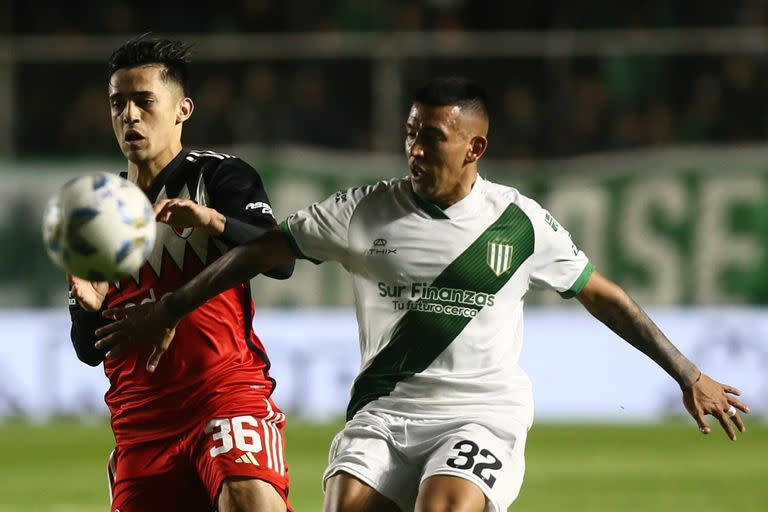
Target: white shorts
394 455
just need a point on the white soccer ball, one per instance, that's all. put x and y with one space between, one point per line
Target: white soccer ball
99 227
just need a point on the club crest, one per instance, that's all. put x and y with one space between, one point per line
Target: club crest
499 257
182 232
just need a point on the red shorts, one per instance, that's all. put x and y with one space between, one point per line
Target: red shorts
185 473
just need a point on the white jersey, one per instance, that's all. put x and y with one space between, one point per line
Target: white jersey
439 293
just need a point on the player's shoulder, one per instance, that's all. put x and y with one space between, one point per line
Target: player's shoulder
507 194
209 155
210 159
391 187
216 166
379 188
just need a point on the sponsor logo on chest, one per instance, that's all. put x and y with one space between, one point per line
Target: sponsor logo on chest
379 248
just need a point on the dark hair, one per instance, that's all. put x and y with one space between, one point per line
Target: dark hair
172 55
454 90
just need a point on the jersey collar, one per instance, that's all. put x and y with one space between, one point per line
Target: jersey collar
162 177
469 204
466 206
430 209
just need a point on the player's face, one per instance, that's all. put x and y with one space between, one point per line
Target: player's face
436 145
147 115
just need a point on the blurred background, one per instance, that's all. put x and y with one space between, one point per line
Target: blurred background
641 127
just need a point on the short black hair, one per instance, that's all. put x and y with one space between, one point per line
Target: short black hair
174 56
453 90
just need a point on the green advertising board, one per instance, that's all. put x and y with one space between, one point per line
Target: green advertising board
678 227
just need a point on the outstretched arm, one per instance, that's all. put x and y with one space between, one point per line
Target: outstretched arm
183 213
157 321
236 266
610 304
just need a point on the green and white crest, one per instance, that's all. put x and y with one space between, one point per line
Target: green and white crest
499 257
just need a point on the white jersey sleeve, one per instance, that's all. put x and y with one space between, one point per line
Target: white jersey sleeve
557 263
320 231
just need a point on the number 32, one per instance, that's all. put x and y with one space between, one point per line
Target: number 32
465 459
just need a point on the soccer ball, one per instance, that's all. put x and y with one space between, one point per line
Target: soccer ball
99 227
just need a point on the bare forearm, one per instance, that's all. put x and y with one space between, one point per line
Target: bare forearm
627 319
236 266
226 272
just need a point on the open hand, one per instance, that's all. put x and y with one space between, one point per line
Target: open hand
707 396
146 324
185 213
90 294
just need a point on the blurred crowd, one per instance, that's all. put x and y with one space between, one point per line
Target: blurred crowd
541 108
247 16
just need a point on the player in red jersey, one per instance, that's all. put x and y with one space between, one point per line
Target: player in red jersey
201 431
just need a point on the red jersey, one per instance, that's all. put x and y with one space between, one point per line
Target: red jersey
215 352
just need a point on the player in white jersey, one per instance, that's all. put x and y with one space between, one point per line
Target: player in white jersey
441 261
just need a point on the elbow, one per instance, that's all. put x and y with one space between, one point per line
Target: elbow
85 349
283 271
93 362
91 358
602 296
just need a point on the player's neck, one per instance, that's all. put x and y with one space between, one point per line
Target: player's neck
144 173
462 190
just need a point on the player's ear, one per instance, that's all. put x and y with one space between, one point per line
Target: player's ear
186 106
477 147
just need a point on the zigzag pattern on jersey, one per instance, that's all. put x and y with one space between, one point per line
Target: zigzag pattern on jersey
185 254
173 275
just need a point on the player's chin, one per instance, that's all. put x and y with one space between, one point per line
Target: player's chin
135 155
424 191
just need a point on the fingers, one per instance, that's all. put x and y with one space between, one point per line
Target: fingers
739 423
726 424
119 321
729 417
133 328
160 206
117 313
118 344
739 405
180 213
113 339
166 208
708 396
163 210
122 320
154 358
126 313
76 290
698 416
105 333
735 417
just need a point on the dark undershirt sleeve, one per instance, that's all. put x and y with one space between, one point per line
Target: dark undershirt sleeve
237 192
84 323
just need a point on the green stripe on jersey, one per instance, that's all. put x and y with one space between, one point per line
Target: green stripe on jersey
431 209
420 337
